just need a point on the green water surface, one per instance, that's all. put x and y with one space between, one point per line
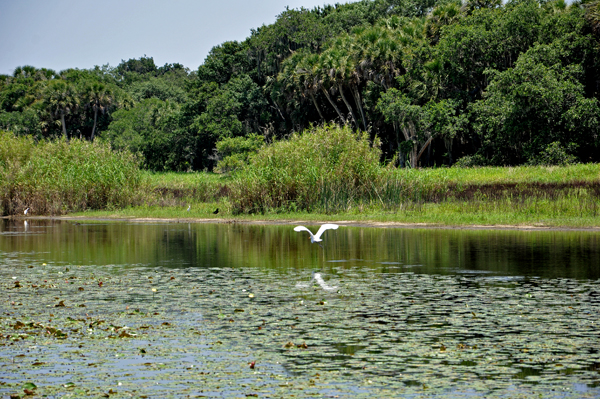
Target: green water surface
218 310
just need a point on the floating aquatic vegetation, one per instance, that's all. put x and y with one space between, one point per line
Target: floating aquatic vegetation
200 331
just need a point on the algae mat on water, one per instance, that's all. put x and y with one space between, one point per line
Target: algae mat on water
78 331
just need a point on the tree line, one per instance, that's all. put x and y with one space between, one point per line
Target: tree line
439 82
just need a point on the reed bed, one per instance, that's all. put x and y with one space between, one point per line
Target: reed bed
58 177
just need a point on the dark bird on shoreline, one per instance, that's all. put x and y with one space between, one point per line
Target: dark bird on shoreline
216 211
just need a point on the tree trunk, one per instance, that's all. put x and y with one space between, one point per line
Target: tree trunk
348 106
312 96
358 101
64 126
409 132
395 125
278 110
406 130
334 106
448 144
423 148
95 119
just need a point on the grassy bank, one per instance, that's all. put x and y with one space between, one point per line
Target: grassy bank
532 196
328 173
331 170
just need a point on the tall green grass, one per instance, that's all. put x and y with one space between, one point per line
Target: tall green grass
59 177
318 169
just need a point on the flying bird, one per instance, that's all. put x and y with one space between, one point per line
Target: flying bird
25 211
317 237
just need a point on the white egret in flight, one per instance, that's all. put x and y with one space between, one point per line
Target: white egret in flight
317 237
25 211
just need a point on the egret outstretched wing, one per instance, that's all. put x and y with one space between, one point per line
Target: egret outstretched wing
327 226
302 228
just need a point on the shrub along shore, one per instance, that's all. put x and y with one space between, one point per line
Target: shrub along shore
326 173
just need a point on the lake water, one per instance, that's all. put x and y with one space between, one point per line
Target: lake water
230 310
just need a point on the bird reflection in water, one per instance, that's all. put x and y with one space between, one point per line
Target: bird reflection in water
316 276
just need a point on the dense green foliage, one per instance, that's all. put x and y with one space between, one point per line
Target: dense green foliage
56 177
234 152
439 82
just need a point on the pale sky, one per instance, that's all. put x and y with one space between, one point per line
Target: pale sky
61 34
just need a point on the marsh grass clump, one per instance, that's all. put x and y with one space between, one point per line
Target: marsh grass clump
59 177
323 169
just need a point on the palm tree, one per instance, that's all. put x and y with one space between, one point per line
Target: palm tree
28 71
308 69
381 49
306 77
326 82
338 68
61 99
99 97
426 83
592 15
299 79
471 5
443 15
345 52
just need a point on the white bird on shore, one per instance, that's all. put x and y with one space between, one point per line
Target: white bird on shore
189 207
25 211
317 237
317 277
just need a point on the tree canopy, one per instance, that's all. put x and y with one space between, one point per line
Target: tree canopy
438 82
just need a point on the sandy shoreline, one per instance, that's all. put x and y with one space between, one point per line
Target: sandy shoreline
374 224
